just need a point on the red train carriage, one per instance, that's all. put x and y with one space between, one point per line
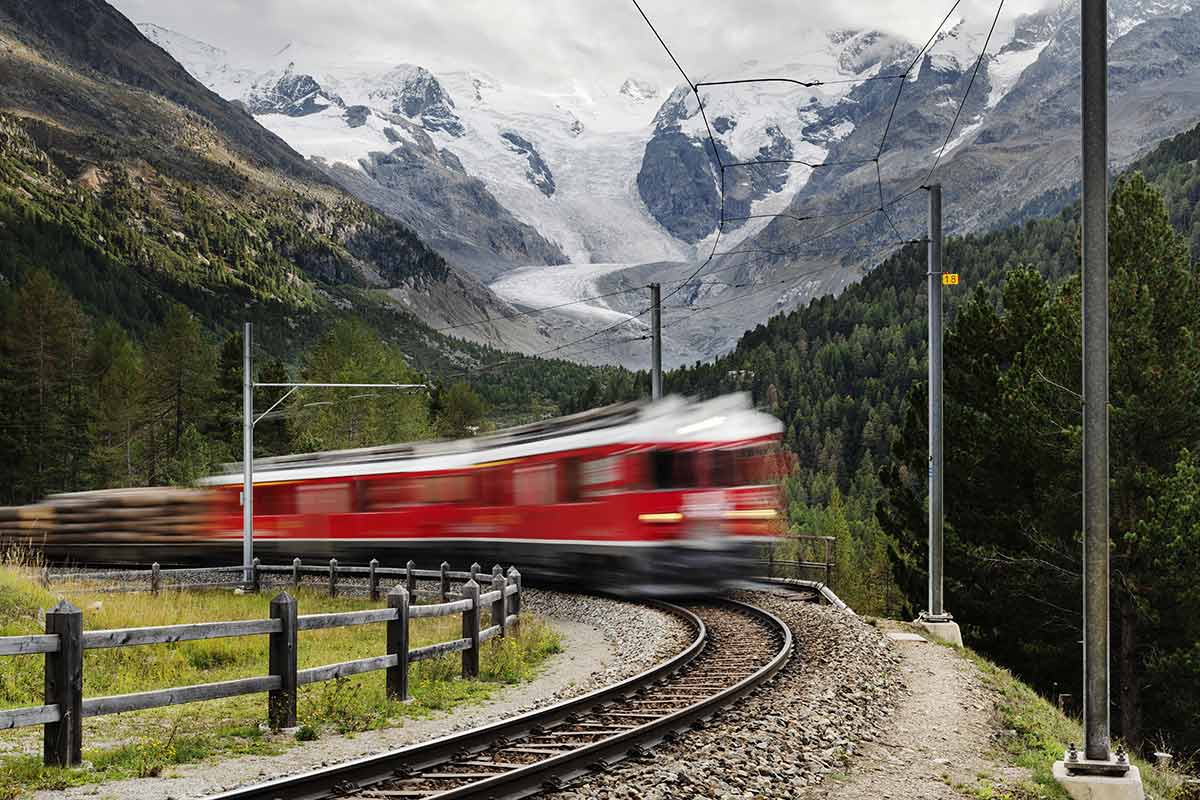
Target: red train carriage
637 495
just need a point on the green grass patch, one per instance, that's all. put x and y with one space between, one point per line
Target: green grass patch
150 743
1040 734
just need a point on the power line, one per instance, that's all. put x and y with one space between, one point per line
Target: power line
883 203
962 103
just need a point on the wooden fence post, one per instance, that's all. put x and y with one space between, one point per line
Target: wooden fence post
296 572
410 580
373 579
470 630
499 607
333 577
397 644
45 577
155 578
515 602
281 702
445 582
255 576
475 571
62 741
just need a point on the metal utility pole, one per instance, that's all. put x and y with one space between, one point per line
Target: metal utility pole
247 456
1094 41
656 385
248 423
936 611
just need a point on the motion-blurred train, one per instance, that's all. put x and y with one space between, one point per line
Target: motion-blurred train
674 493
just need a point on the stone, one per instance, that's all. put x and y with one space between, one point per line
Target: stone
1096 787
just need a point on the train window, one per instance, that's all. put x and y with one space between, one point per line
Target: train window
723 468
601 471
273 500
535 485
386 493
572 480
323 498
447 489
670 469
495 486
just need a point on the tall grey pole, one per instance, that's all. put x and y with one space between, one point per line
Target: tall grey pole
656 385
1094 42
247 456
936 609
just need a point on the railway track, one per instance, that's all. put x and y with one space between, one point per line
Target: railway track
736 648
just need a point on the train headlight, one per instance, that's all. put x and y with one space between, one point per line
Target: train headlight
672 516
752 513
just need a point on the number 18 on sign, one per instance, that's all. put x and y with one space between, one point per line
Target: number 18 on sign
950 279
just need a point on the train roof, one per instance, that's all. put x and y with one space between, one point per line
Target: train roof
729 418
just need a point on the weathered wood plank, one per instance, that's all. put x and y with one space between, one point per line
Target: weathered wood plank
341 619
487 598
435 650
117 704
345 669
511 589
28 645
163 634
489 633
23 717
439 609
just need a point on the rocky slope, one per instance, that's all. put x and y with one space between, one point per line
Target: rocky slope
165 189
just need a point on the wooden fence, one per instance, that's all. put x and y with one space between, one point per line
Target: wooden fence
799 556
64 643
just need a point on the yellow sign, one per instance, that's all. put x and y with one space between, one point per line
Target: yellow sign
950 279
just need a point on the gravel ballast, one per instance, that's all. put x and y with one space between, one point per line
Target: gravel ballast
841 685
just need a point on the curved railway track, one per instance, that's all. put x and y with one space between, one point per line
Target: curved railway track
736 648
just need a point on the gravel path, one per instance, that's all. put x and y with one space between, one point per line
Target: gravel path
837 692
600 647
938 738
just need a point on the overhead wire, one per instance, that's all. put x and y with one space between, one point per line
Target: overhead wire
722 167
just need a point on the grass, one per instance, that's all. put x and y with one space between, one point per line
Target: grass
150 743
1040 734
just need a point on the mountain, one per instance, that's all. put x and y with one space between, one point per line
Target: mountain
153 188
497 176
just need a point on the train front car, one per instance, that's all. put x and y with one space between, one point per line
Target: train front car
654 498
707 497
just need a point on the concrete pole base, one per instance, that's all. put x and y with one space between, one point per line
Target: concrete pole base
1100 787
947 632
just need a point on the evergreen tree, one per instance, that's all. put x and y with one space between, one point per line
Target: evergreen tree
1013 459
333 419
45 382
116 363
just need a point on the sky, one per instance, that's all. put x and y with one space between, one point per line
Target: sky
548 42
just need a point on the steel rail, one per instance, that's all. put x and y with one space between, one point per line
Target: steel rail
360 776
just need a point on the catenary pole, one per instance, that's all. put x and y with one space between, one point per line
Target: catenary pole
934 278
656 387
247 456
1094 100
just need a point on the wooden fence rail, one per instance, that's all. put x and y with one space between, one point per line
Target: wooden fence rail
65 642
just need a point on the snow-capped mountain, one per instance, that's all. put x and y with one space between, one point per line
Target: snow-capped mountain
498 175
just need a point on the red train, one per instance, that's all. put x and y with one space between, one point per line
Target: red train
672 493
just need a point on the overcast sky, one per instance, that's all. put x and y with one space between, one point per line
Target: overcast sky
546 41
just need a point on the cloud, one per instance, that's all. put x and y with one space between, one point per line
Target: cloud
547 42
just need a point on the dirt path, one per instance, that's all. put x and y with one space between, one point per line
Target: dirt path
938 737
